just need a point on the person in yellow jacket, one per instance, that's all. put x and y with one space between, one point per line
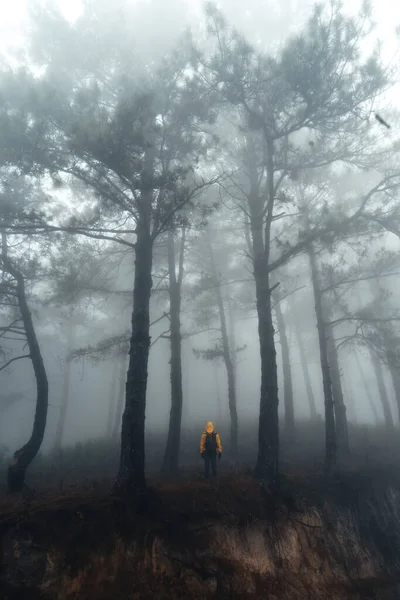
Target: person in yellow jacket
210 448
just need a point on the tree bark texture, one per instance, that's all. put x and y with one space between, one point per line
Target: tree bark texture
131 475
261 216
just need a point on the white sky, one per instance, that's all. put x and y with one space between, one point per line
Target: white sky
277 26
386 13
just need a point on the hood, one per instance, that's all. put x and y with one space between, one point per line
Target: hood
209 427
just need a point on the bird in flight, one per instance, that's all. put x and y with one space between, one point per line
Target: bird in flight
381 121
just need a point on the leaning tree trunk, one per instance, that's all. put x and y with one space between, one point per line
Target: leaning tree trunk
387 412
290 428
65 391
171 455
120 394
367 389
305 369
229 365
131 474
330 428
342 433
25 455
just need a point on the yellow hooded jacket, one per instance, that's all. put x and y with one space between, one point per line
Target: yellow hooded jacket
209 429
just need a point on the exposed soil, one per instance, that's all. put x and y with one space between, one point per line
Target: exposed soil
318 538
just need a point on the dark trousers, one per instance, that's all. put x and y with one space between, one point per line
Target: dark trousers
210 459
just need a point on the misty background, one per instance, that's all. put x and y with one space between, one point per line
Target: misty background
81 292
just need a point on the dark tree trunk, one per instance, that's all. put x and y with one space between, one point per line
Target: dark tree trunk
25 455
342 433
131 474
387 412
121 394
306 372
330 428
290 428
268 436
261 217
172 450
65 391
367 389
229 365
111 398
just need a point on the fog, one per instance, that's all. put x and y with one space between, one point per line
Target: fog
78 83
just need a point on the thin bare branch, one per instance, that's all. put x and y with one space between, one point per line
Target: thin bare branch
13 360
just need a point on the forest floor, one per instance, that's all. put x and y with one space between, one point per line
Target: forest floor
56 544
333 538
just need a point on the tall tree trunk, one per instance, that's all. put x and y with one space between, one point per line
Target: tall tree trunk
25 455
392 362
290 428
305 369
367 389
186 378
65 389
171 455
261 217
375 287
131 474
395 375
219 403
232 338
348 392
268 433
387 412
111 398
121 393
64 406
330 428
342 433
230 371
